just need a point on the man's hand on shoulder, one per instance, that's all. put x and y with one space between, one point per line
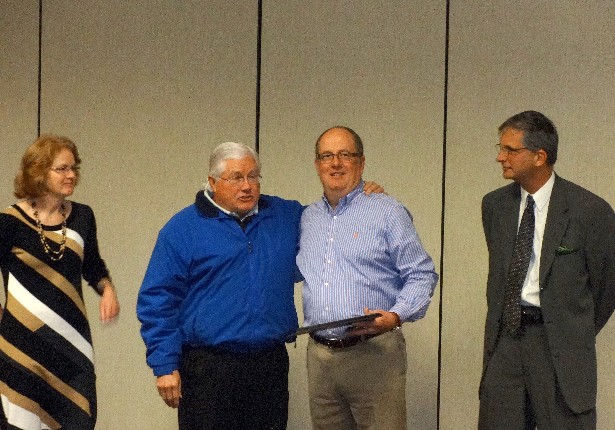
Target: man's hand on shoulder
371 187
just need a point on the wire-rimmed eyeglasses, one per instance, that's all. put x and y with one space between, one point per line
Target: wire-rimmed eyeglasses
509 150
63 170
238 180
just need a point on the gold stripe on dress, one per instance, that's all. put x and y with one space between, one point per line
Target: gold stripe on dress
52 276
52 380
29 405
23 314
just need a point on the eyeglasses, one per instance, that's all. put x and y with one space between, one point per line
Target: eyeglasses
63 170
343 156
509 150
237 180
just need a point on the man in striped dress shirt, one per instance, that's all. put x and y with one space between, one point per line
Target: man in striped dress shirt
358 255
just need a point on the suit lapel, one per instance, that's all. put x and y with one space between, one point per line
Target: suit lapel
557 221
509 218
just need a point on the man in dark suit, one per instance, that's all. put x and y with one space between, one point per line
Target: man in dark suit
540 366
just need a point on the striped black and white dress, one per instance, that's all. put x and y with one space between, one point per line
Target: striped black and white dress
47 378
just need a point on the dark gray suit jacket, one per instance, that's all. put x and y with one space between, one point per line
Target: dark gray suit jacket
577 279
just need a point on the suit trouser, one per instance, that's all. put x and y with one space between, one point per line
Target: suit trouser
360 387
229 391
519 390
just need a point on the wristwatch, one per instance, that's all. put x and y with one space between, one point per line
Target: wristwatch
397 322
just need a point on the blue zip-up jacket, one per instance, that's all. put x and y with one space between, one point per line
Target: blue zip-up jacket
209 283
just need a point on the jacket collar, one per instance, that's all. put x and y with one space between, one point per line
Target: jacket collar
208 210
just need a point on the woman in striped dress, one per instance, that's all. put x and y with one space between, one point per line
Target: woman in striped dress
47 245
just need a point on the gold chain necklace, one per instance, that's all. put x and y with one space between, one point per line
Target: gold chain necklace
55 255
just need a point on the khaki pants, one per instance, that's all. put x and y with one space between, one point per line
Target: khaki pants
362 387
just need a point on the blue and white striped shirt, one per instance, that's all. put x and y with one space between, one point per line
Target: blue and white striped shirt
364 253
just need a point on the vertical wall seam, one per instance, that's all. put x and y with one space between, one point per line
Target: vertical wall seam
258 76
444 139
40 65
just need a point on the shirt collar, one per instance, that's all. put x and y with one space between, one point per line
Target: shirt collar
542 196
209 195
346 200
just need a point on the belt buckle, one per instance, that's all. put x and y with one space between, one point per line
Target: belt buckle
530 316
337 343
343 342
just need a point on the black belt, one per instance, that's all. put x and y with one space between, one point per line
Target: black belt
343 342
531 315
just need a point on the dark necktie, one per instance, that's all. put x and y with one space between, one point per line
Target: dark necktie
518 269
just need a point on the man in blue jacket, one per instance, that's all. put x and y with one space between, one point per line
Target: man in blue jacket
216 302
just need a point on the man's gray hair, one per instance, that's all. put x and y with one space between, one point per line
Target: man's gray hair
538 132
229 151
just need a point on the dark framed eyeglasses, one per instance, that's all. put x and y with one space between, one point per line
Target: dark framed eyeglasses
343 156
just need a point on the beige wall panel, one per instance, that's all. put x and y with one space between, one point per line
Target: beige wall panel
376 67
18 87
18 90
555 57
146 89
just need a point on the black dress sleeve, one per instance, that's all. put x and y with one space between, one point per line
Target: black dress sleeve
94 267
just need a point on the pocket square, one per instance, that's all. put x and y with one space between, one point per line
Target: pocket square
564 250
